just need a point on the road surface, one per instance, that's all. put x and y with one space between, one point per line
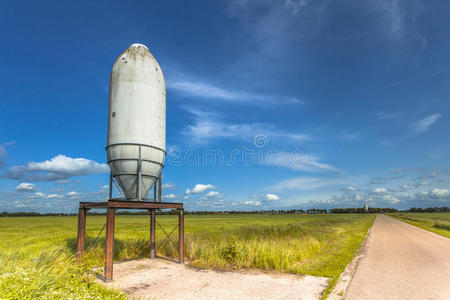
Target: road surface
401 261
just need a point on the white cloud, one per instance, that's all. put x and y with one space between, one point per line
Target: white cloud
297 161
295 100
378 190
168 185
391 199
57 168
212 194
38 195
307 183
388 115
169 196
253 203
207 126
3 152
349 189
26 187
438 193
201 89
272 197
199 188
72 194
425 124
400 19
54 196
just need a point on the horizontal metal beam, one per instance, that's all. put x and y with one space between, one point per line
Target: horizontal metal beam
134 144
131 205
135 159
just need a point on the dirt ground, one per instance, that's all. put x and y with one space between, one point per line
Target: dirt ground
163 279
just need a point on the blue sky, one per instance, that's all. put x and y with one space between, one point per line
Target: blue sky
270 104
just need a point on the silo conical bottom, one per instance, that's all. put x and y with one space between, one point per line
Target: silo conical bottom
128 184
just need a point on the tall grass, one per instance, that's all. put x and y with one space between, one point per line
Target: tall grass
42 248
435 222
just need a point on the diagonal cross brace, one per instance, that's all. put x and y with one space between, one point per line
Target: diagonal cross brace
167 236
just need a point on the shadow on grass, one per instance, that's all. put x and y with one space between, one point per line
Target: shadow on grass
123 249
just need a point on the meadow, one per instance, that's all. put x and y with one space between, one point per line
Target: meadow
37 254
435 222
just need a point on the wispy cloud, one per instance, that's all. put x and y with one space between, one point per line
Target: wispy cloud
3 152
306 183
207 127
297 161
206 90
168 185
399 20
388 115
425 124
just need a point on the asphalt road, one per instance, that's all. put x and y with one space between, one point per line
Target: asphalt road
401 261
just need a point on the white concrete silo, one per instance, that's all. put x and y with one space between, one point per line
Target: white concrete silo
137 121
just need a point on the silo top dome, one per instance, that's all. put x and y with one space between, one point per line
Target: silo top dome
135 45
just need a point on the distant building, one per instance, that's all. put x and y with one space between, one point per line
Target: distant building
366 208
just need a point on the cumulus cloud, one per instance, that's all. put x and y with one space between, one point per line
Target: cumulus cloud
438 193
169 196
378 190
272 197
199 188
72 194
26 187
58 168
425 124
390 199
54 196
212 194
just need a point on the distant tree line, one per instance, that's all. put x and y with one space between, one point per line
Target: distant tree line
352 210
33 214
236 212
429 209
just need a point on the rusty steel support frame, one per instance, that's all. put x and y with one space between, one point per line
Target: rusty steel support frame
152 233
181 236
109 243
81 232
111 207
159 187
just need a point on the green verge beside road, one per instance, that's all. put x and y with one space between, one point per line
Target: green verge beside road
37 253
435 222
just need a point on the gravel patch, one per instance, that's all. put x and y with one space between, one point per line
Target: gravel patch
163 279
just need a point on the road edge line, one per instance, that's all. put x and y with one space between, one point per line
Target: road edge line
338 292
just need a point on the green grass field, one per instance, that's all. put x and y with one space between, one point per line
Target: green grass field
435 222
37 253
